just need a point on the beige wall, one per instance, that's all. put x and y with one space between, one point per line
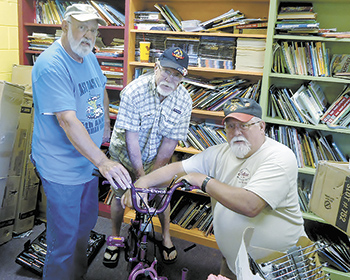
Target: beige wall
9 53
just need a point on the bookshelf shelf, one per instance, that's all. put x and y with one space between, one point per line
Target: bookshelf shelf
192 69
319 127
309 78
311 38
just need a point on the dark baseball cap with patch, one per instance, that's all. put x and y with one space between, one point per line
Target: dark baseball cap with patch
242 109
175 58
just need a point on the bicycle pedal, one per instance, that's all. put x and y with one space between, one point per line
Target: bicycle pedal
117 241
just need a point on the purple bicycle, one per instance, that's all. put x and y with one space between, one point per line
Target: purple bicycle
135 245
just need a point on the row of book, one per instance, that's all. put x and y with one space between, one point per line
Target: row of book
304 194
302 58
41 41
191 212
335 250
308 147
204 51
52 12
308 104
212 95
114 49
201 136
166 18
242 54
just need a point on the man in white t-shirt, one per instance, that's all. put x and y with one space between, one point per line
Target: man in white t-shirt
253 179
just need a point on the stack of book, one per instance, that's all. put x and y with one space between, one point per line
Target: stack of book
309 148
202 136
227 20
150 20
306 105
217 52
296 18
302 58
52 12
250 54
113 70
40 41
252 26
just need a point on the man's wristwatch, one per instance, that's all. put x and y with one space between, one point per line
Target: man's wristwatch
205 182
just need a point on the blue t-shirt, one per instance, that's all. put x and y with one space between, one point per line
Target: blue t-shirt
59 84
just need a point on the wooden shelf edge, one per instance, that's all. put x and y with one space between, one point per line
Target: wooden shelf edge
199 34
189 150
193 235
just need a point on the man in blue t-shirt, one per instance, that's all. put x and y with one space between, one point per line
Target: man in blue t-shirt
70 123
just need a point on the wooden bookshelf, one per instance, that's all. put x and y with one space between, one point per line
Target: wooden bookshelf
27 25
330 14
193 235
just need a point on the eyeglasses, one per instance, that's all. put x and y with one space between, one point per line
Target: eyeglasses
84 29
240 126
176 76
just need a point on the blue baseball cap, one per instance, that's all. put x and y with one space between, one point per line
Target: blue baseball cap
175 58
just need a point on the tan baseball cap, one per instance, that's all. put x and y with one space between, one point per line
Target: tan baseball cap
84 12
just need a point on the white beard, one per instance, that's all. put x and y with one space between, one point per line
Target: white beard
77 48
167 91
240 149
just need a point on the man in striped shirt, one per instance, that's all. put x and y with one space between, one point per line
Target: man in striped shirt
154 114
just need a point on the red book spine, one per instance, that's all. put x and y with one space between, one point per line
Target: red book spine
111 68
252 25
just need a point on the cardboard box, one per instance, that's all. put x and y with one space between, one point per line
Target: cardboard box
23 137
22 75
27 200
8 207
330 194
11 97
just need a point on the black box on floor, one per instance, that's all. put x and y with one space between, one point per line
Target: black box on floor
33 255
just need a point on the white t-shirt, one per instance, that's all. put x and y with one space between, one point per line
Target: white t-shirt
271 173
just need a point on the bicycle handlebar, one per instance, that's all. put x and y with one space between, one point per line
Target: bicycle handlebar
167 192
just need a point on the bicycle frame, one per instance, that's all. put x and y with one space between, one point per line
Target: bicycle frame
135 245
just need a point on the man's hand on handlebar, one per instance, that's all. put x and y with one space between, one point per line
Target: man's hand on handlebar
127 201
115 172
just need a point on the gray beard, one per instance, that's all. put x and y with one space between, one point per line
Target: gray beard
76 47
240 150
